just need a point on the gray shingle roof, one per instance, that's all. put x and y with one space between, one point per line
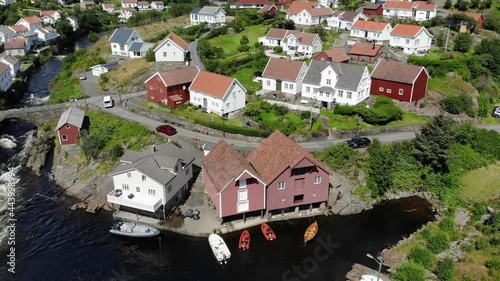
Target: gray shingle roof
121 36
156 165
195 11
135 47
349 74
10 59
5 29
29 33
111 65
73 116
209 10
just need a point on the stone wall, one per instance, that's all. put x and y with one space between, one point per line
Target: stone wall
343 134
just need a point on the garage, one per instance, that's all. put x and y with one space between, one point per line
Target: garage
99 69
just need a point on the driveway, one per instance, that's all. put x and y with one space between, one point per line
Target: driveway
89 85
195 57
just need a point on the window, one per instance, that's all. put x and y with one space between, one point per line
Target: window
389 91
341 94
268 82
407 41
169 188
283 199
397 40
129 175
308 89
228 104
281 185
151 192
64 137
327 95
67 126
298 198
143 178
122 48
161 90
243 206
291 86
401 92
315 90
286 85
381 89
125 186
187 171
168 44
164 54
242 195
151 87
301 171
138 189
417 41
314 194
242 184
328 81
317 180
349 95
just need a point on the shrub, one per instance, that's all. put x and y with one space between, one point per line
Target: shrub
338 155
278 49
409 271
46 127
421 256
280 109
445 270
448 225
233 129
244 40
482 244
116 151
437 241
150 56
493 264
458 104
492 224
305 115
243 48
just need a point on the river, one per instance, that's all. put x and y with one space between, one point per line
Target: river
54 243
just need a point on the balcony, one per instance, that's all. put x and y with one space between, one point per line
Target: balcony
130 199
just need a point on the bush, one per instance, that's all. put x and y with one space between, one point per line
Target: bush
422 256
493 264
338 156
445 270
278 49
150 56
409 271
234 129
280 109
116 151
243 48
448 225
437 241
458 104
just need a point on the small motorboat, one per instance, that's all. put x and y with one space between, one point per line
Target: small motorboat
131 229
311 232
219 247
268 232
244 240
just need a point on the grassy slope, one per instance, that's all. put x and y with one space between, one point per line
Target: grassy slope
482 185
450 85
245 76
231 42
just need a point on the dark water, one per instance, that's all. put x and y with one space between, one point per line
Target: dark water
54 243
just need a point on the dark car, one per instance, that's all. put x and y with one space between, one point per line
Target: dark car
358 142
166 129
496 112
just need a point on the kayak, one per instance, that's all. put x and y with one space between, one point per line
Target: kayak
311 232
244 240
268 232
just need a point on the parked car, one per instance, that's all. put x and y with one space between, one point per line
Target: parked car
496 112
108 101
358 142
166 129
82 76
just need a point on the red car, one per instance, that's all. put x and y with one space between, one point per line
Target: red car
166 129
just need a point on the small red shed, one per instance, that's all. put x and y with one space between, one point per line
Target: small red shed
337 55
171 88
365 52
373 10
399 81
269 9
69 125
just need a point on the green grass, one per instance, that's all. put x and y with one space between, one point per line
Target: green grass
245 76
481 185
410 118
230 42
450 85
65 89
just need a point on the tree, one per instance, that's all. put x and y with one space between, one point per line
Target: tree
440 39
64 28
447 4
380 166
490 47
244 40
492 21
463 42
446 269
433 141
93 37
409 271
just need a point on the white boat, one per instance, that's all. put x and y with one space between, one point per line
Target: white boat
219 247
131 229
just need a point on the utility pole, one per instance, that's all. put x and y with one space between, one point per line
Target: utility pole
447 36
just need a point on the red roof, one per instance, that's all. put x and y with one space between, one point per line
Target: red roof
32 20
371 6
299 6
406 30
475 16
176 76
266 8
426 6
275 154
399 5
365 49
174 38
48 13
19 28
336 54
3 67
396 71
253 2
212 84
369 25
283 69
325 11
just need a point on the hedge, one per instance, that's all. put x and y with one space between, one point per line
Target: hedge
252 132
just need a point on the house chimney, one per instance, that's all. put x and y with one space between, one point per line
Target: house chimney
373 47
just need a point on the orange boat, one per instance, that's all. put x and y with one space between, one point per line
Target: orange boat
267 231
244 241
311 232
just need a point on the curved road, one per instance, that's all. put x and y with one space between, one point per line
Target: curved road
184 135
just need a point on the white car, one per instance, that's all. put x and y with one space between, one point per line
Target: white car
108 101
82 76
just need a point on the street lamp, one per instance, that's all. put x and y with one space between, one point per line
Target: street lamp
380 262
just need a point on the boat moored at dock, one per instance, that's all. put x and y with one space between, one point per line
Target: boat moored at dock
219 248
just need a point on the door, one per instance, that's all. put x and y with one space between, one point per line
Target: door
278 86
205 102
243 205
299 184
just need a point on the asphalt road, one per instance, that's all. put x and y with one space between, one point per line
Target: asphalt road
195 58
186 137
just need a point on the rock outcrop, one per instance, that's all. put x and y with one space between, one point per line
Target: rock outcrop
38 152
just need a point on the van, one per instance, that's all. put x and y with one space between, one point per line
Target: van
108 101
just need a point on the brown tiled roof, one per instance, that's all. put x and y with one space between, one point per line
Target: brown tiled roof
396 71
129 1
325 11
365 49
426 6
275 154
283 69
32 20
15 44
266 8
349 15
279 33
371 6
108 5
174 38
178 76
304 38
337 55
48 13
476 16
406 30
298 6
369 25
3 67
253 2
19 28
399 5
224 164
127 10
212 84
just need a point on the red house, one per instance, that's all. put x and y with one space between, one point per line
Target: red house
270 9
365 52
399 81
373 10
337 55
171 88
69 125
477 16
240 4
278 175
232 183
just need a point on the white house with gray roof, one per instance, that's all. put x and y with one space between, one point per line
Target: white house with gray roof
128 43
13 63
152 180
5 77
213 16
336 83
6 33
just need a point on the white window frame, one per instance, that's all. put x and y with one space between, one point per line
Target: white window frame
389 91
401 92
243 195
151 192
125 186
380 89
281 185
242 183
317 180
143 178
138 189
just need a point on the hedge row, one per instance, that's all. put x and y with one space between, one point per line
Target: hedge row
252 132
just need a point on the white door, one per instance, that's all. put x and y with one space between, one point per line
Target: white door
242 206
242 195
242 200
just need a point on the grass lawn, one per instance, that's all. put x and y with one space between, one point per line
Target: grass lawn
245 76
127 71
481 185
450 85
410 118
230 42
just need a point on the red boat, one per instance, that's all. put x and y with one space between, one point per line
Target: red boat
268 232
244 241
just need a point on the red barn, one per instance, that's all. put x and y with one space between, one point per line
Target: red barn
270 9
373 10
365 52
477 16
69 125
337 55
399 81
171 88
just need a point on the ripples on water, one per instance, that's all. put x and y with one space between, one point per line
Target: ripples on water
39 84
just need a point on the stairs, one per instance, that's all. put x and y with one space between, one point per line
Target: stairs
196 199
